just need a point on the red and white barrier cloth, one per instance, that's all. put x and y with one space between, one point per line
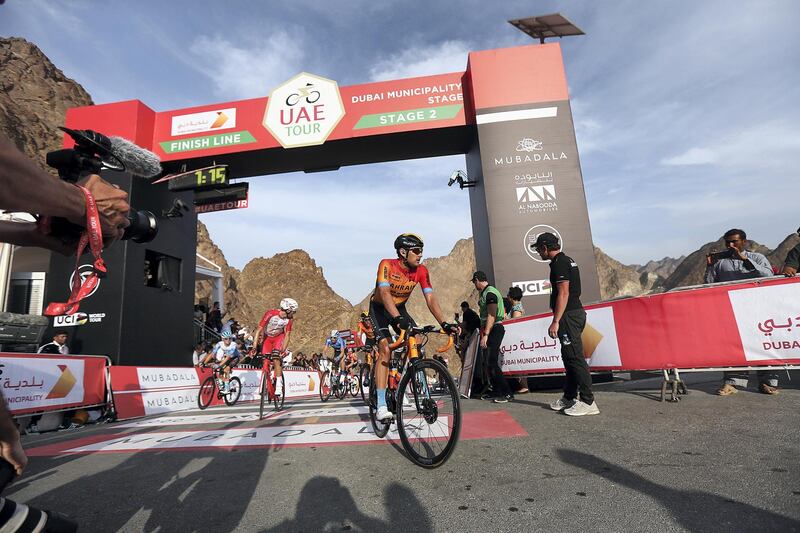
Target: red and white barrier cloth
33 383
140 391
746 324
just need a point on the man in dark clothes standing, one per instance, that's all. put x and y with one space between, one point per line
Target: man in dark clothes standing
569 319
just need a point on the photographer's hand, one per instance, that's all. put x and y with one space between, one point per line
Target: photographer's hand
28 234
10 446
112 206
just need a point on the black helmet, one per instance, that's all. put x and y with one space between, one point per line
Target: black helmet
408 240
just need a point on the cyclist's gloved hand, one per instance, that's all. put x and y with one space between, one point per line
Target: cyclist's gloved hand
448 328
400 322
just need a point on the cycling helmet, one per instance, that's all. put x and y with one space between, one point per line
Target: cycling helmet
364 313
408 240
226 335
287 304
334 334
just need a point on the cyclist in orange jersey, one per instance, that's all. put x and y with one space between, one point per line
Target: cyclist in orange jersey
395 282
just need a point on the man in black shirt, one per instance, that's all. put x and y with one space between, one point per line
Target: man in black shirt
569 319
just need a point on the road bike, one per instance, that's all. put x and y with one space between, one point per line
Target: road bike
267 390
214 383
332 385
422 396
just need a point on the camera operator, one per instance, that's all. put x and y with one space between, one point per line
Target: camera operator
24 187
27 188
734 264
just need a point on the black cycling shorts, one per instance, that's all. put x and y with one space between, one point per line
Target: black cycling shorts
382 319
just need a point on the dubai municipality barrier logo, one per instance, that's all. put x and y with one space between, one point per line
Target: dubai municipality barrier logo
304 110
64 384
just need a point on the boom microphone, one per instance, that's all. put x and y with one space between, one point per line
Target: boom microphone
136 159
115 153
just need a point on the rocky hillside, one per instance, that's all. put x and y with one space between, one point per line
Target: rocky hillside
618 280
662 268
34 98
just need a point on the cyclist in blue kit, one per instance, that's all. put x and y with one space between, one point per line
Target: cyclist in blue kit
226 354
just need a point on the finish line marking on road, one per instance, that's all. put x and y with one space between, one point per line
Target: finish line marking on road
245 417
476 425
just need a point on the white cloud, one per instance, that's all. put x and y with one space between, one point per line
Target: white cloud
769 144
693 156
250 69
448 56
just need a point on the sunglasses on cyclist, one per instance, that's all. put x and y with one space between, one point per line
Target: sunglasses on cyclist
417 251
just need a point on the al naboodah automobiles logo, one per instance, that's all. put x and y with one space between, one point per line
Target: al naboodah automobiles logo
304 110
532 234
83 272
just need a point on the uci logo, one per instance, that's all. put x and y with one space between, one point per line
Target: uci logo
77 319
84 271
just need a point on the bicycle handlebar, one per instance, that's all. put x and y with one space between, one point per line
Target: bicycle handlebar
425 330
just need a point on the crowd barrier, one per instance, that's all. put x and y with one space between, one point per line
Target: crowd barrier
750 324
140 391
33 383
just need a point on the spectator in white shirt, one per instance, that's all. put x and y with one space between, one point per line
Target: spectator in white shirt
58 346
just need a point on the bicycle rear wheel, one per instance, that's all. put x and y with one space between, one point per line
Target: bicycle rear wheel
364 381
341 388
325 386
429 427
206 392
264 394
234 391
277 399
354 386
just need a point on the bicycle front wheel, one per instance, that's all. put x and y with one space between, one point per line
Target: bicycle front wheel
325 386
264 394
354 386
206 392
428 413
234 391
277 399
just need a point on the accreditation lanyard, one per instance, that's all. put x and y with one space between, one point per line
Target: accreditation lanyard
92 237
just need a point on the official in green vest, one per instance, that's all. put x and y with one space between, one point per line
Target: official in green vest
492 312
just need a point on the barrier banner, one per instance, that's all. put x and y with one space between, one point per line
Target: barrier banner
34 383
141 391
527 347
752 323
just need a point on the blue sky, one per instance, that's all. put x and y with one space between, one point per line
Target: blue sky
686 112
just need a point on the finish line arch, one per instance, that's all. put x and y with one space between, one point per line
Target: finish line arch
508 112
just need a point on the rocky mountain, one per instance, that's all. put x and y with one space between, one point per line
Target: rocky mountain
34 98
662 268
618 280
778 255
211 258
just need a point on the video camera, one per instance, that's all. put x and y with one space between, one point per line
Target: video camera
94 152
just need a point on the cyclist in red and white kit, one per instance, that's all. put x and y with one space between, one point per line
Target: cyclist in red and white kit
276 326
